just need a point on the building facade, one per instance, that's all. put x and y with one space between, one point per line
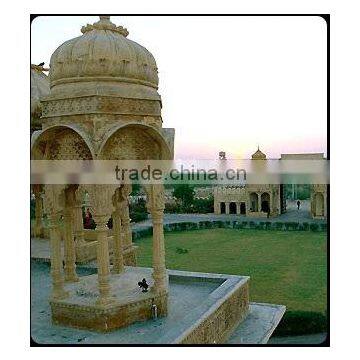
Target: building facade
268 200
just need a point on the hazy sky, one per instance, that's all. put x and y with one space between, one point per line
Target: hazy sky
227 83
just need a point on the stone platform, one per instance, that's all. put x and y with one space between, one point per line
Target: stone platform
130 304
202 308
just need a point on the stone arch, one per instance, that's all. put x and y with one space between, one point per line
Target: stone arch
254 202
232 208
319 204
61 142
134 141
265 202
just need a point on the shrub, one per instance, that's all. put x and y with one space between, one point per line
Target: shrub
174 208
314 227
291 226
306 226
203 206
138 211
206 224
301 323
227 224
260 225
268 225
139 216
218 224
279 225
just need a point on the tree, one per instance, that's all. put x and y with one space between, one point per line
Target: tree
135 189
185 193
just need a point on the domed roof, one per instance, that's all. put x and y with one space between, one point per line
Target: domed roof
258 155
40 87
102 54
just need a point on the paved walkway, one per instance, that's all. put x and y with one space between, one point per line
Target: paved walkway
292 214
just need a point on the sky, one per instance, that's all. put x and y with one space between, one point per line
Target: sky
227 83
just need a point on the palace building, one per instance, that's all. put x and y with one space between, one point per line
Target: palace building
267 200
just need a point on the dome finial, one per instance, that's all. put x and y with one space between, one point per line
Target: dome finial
105 24
104 17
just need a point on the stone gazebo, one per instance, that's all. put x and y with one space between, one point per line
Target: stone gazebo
40 87
103 105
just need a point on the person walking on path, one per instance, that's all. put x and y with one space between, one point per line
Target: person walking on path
298 204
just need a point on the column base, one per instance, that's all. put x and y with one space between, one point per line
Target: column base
71 278
59 294
117 269
84 308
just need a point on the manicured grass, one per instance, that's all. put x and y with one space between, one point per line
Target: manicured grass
286 267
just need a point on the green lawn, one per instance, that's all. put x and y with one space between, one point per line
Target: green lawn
286 267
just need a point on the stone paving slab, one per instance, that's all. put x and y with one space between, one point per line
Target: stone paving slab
259 324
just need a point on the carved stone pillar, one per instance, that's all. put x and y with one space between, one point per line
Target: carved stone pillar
78 221
126 232
159 268
259 202
238 208
69 247
227 208
217 209
103 262
125 225
54 200
38 214
118 261
58 291
101 201
156 207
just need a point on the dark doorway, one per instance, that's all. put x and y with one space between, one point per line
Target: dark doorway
242 208
222 208
232 208
254 202
265 206
265 202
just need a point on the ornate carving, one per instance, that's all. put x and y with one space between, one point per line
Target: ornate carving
101 201
155 198
62 144
100 105
54 198
131 143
